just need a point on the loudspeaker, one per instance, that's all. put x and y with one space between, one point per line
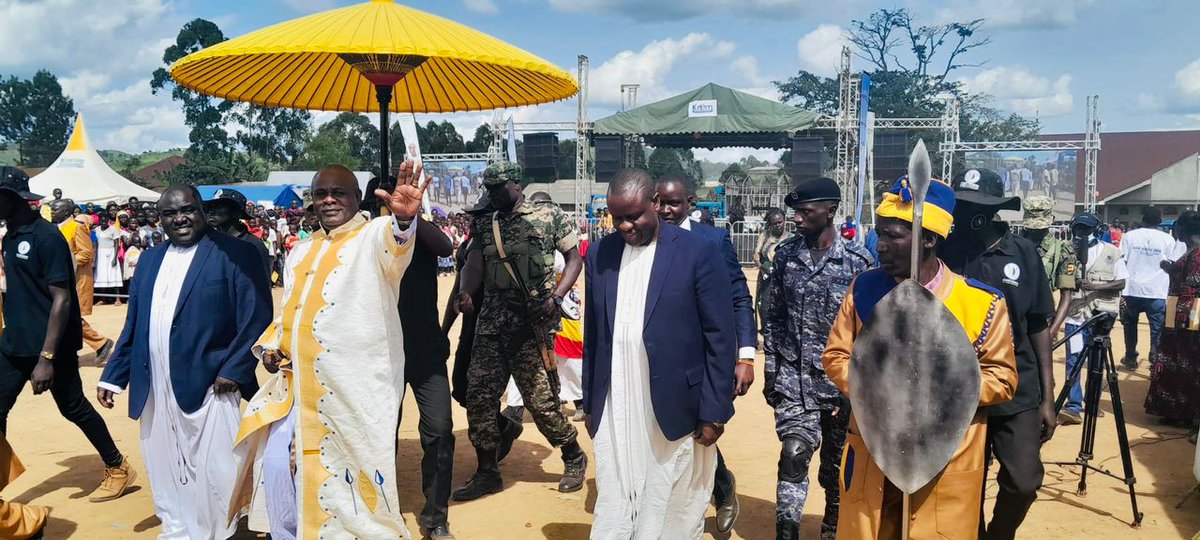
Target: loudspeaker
541 155
891 156
806 159
610 156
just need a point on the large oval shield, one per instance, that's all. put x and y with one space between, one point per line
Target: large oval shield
914 385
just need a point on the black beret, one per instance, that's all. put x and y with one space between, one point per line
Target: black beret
817 189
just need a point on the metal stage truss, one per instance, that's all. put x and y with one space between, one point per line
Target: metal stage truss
845 123
1090 145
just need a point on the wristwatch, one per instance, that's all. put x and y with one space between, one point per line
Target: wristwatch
48 356
558 300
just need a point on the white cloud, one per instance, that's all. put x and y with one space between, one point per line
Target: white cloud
1181 98
130 118
821 49
746 67
663 10
1150 103
650 67
486 7
1015 14
731 155
103 54
73 33
1020 91
1187 80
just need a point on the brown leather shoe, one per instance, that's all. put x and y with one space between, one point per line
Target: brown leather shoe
116 481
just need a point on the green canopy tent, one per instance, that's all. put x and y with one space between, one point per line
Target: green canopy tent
711 116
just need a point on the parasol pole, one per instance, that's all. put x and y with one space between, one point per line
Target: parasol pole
919 175
383 92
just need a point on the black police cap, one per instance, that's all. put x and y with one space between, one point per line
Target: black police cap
817 189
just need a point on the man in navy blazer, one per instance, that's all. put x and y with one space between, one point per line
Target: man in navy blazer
676 195
688 337
196 306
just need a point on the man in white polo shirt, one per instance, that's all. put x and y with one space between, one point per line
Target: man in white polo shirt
1145 248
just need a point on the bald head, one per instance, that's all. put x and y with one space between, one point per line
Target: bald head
630 182
61 209
336 172
185 189
336 195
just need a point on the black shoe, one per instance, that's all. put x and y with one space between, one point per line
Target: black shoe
787 530
511 432
728 510
1129 362
104 352
516 414
574 474
441 532
481 483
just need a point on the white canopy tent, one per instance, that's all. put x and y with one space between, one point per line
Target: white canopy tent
84 177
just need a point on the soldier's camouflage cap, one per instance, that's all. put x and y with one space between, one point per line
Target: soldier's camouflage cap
498 174
1039 212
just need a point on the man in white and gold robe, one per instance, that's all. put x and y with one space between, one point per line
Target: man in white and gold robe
319 436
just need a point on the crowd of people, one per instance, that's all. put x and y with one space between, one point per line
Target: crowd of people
667 338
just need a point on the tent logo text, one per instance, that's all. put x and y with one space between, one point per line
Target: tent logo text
702 107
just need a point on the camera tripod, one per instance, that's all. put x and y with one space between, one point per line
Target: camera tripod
1097 358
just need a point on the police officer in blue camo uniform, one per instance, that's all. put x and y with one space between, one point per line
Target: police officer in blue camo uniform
813 270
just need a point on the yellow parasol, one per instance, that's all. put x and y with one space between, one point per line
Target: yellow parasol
351 59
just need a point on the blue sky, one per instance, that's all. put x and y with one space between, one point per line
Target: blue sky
1046 56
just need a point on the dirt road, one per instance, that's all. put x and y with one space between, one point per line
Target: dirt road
63 468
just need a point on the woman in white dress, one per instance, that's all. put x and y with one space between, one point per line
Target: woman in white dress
108 268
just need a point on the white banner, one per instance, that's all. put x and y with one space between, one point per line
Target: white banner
512 141
412 148
702 107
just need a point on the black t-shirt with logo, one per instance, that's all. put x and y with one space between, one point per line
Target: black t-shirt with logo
1013 266
36 256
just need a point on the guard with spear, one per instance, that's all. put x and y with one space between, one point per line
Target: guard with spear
918 350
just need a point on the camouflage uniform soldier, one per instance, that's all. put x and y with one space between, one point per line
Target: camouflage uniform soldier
812 272
1058 256
517 320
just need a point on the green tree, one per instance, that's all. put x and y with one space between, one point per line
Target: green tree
911 63
35 117
273 134
359 132
325 148
482 141
441 138
734 174
206 116
663 161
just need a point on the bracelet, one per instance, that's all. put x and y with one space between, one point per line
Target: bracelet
745 362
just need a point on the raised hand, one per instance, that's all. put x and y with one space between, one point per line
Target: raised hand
405 200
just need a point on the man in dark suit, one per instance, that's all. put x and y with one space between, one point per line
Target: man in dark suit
676 196
196 306
658 330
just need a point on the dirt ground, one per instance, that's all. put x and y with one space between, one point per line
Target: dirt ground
63 468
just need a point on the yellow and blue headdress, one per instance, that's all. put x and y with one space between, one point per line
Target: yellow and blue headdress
939 205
